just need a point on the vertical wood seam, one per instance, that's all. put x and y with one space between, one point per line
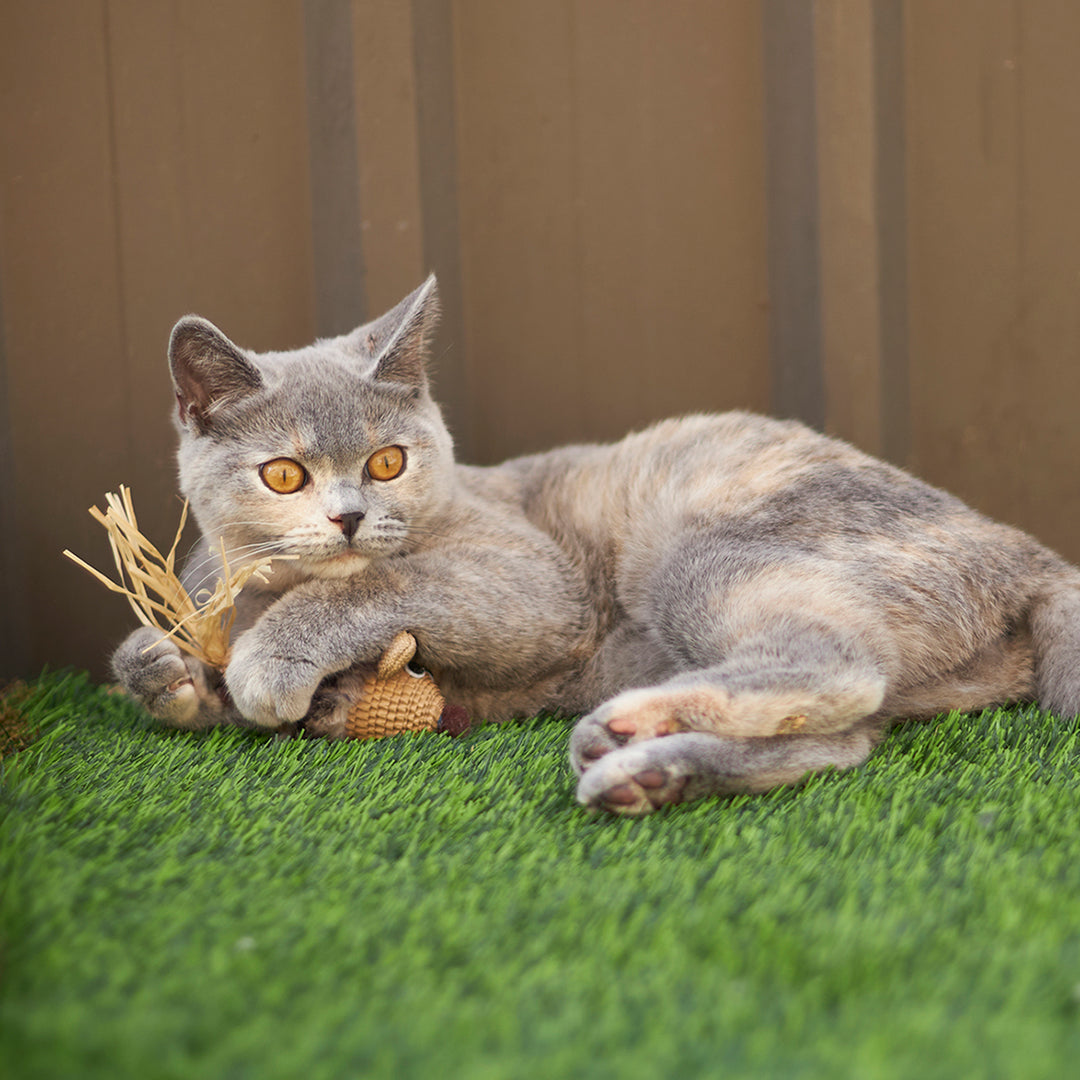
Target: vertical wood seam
890 194
337 254
14 651
434 43
792 212
115 195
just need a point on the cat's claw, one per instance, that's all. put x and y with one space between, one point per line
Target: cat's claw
171 686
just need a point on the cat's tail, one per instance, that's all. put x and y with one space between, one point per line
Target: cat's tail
1055 631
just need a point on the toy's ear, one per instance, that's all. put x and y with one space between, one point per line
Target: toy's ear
398 653
208 371
398 341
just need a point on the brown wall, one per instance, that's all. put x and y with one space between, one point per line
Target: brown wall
993 102
612 219
861 212
154 161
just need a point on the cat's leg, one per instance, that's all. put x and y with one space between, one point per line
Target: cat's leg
784 679
764 638
644 776
173 687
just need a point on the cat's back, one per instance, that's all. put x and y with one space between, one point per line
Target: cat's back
735 473
702 464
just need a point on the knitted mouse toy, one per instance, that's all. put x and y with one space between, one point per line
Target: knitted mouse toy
393 696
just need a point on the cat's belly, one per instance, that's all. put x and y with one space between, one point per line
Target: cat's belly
626 658
485 705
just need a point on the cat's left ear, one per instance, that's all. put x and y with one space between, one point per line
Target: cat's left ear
398 341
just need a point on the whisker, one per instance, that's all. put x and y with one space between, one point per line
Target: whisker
310 543
238 556
272 526
424 530
239 551
191 548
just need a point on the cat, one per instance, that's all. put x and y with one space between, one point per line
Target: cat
728 602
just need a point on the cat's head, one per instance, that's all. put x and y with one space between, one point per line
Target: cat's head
334 453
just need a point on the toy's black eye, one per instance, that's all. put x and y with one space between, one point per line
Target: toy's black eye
283 475
387 463
415 670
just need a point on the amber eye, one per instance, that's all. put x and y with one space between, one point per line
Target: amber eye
283 475
386 463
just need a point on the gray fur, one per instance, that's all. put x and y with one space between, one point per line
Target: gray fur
731 601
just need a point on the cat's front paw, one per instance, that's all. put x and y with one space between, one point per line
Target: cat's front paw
267 687
171 686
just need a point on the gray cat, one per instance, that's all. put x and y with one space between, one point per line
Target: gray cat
733 602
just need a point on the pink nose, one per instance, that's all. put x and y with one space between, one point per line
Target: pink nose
349 522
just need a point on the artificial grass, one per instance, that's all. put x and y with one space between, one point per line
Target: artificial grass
230 905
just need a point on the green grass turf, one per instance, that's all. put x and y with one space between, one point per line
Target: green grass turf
229 905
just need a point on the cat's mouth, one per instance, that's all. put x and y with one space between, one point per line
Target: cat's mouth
340 558
340 564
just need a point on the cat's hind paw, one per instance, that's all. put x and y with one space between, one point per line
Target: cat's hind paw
634 780
631 717
642 776
590 741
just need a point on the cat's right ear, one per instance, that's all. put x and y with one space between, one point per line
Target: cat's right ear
208 371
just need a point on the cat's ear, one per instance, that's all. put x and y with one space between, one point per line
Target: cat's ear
208 371
398 341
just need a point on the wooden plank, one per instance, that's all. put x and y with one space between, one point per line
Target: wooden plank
155 257
995 269
612 216
517 205
244 168
384 85
849 255
965 238
214 203
215 211
858 47
1045 338
890 190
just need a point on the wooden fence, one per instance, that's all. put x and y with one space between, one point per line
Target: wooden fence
859 212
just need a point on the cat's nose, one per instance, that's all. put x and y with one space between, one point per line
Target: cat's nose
349 522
